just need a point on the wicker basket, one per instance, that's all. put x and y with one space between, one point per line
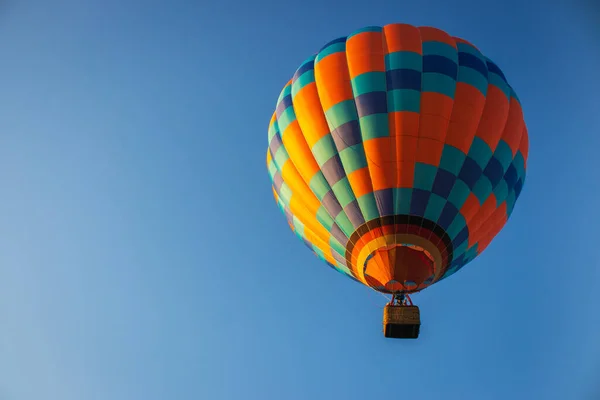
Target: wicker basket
401 322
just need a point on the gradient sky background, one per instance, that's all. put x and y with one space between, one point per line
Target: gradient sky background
138 229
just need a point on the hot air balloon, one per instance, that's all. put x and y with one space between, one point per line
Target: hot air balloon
397 154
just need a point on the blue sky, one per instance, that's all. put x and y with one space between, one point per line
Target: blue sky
139 230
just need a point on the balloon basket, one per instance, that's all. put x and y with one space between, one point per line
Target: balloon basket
401 321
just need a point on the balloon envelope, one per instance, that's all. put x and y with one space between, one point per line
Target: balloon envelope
397 154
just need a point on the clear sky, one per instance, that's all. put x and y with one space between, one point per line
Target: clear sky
142 255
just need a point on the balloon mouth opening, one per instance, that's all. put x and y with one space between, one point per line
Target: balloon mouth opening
399 253
400 268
